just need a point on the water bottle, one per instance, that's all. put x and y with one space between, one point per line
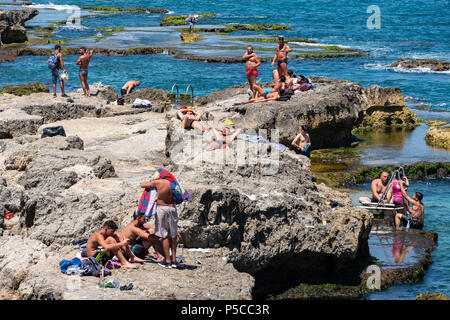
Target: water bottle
101 106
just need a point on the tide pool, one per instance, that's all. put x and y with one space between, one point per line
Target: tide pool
437 278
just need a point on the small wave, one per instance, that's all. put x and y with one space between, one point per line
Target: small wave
418 70
375 66
170 12
53 6
308 44
73 26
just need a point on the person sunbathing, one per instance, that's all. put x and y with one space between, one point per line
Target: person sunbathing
222 138
262 95
190 119
109 239
141 238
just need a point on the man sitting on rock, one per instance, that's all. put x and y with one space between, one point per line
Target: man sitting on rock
417 211
302 142
129 86
190 119
377 186
141 237
109 239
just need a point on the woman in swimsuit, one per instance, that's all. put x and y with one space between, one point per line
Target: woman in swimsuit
252 62
222 138
190 119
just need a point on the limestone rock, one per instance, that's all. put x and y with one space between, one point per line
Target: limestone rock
432 296
13 23
385 107
432 64
439 137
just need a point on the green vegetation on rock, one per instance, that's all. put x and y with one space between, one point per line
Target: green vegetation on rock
181 20
271 40
24 90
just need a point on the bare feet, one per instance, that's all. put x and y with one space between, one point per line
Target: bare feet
137 260
128 266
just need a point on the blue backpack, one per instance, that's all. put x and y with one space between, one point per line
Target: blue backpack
52 61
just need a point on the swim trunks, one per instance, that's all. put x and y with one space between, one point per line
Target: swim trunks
221 143
282 61
138 249
166 222
123 92
304 153
84 72
251 71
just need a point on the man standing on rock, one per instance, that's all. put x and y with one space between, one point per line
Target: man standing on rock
83 62
251 64
129 86
302 142
55 63
378 186
281 57
109 239
166 220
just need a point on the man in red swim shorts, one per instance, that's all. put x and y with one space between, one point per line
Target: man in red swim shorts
252 62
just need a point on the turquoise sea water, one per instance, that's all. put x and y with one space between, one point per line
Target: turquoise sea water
416 28
437 207
413 29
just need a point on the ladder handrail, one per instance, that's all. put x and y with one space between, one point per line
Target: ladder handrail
192 90
178 91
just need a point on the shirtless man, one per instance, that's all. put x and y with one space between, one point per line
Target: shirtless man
302 142
190 119
140 234
83 62
129 86
252 62
417 211
166 220
109 239
281 57
222 138
378 186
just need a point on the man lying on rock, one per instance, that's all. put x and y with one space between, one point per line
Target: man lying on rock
142 237
190 119
222 138
109 239
377 186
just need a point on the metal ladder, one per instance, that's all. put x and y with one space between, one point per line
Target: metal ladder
387 206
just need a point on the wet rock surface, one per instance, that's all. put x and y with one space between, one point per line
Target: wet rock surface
432 64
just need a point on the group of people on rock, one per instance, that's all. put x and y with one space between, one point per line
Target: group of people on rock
132 244
284 81
398 196
83 61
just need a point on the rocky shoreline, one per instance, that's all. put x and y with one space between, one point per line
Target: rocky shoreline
432 64
264 236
